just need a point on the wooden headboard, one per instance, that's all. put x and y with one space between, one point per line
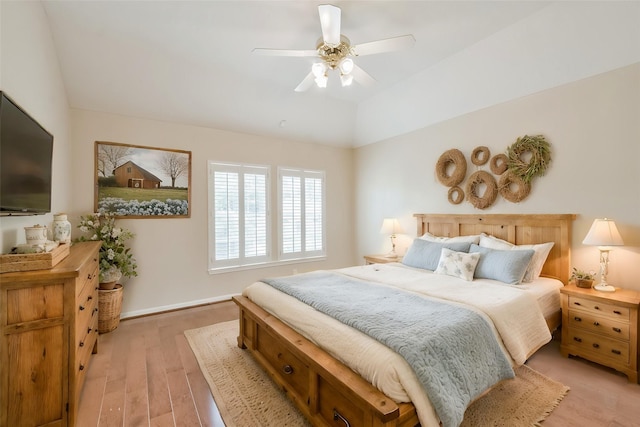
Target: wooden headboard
519 229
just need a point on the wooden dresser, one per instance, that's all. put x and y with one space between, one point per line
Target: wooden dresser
602 327
49 321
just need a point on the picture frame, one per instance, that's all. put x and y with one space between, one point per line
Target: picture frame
134 181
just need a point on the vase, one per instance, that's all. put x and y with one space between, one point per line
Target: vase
109 277
584 283
107 286
61 229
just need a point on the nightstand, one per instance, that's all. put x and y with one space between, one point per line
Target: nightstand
601 327
380 259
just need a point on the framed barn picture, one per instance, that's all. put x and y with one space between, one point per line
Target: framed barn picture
133 181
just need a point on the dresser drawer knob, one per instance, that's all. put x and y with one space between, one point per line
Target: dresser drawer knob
82 367
618 330
596 307
576 303
618 352
81 344
89 298
616 312
81 307
596 345
287 369
577 319
577 339
89 330
596 323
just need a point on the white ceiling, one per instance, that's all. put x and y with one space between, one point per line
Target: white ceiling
191 62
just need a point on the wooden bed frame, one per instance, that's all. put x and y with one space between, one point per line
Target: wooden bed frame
329 393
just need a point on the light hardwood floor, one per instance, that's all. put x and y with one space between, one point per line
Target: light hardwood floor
146 375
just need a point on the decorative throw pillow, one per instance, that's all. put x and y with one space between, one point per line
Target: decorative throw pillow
535 267
424 254
457 264
507 266
431 238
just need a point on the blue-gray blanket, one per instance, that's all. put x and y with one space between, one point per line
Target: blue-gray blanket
452 350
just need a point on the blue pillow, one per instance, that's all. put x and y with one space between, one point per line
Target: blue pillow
507 266
424 254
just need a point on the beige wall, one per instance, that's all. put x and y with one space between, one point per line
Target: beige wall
594 128
172 253
30 75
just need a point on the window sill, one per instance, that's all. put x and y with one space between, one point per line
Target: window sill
223 270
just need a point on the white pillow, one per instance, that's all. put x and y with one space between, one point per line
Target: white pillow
457 264
539 257
467 239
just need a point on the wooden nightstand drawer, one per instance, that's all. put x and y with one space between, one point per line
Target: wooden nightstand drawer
599 345
599 308
599 324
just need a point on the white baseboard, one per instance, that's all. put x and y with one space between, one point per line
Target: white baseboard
171 307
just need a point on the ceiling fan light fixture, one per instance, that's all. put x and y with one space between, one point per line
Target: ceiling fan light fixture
321 81
319 69
346 65
346 79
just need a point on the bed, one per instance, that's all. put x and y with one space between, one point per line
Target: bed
324 374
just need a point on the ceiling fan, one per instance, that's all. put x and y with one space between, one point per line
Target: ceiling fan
336 51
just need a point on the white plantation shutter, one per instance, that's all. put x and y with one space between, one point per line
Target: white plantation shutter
301 222
239 215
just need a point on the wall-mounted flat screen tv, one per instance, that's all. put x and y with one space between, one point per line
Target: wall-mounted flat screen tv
26 153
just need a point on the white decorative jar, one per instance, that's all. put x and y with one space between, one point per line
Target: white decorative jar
61 228
36 235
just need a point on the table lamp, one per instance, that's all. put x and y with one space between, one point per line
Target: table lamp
604 234
391 226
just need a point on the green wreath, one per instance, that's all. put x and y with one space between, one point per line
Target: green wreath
540 151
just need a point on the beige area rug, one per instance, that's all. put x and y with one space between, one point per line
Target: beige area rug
246 396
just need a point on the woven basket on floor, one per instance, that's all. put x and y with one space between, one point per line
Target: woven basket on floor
109 308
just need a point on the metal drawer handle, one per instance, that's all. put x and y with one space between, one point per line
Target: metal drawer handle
337 416
81 307
81 344
618 330
616 312
596 345
577 339
618 352
596 307
577 319
577 303
596 323
287 369
82 367
89 298
89 330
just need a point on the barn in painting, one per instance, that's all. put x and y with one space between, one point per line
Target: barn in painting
132 175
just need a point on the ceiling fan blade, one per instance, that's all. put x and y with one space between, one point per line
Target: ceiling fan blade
284 52
330 23
385 45
306 83
362 77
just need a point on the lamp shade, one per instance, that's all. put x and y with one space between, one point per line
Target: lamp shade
390 226
603 232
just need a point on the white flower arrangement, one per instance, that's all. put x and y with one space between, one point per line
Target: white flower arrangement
114 254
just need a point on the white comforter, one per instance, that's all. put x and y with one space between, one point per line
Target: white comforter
518 325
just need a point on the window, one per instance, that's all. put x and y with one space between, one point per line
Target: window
301 219
238 215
